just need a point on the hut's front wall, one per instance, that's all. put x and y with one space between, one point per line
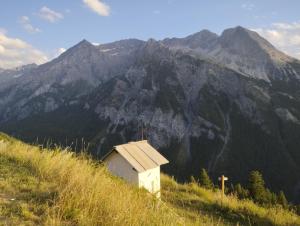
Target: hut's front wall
150 180
120 167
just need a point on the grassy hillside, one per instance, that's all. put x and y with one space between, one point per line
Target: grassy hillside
55 187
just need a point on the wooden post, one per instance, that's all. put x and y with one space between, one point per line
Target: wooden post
223 179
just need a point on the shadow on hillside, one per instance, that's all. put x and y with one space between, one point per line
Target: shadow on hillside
198 204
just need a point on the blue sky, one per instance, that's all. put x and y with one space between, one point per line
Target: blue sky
47 27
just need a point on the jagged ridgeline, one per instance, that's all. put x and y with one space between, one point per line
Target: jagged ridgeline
228 103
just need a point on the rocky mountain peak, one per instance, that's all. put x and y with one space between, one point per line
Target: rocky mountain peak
154 48
237 29
152 45
84 42
120 48
83 45
152 42
202 39
82 49
240 40
243 34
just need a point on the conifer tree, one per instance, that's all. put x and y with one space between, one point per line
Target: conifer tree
297 209
257 187
193 180
238 189
241 192
270 197
281 199
204 180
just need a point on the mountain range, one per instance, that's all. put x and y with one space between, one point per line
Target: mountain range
229 103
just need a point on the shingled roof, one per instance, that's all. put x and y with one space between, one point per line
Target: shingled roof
141 155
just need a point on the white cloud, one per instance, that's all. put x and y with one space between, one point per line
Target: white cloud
25 22
156 11
284 36
97 6
56 53
16 52
287 26
59 51
248 6
50 15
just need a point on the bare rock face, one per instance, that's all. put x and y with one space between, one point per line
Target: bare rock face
228 103
286 115
239 49
7 75
202 40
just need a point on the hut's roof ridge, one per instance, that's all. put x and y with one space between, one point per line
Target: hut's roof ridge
140 155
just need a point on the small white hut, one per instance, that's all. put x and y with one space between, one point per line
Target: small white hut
138 163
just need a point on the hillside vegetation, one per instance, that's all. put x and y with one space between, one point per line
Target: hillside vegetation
56 187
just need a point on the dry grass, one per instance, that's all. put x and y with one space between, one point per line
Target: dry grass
207 205
43 187
85 193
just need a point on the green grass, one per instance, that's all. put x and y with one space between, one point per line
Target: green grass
56 187
201 205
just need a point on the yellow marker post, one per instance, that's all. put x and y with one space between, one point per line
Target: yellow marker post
223 179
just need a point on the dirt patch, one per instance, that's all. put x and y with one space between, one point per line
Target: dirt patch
4 198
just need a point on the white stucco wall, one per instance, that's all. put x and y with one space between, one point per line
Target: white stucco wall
120 167
150 180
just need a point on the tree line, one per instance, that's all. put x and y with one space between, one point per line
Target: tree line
255 190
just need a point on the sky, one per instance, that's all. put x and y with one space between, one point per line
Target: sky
36 31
